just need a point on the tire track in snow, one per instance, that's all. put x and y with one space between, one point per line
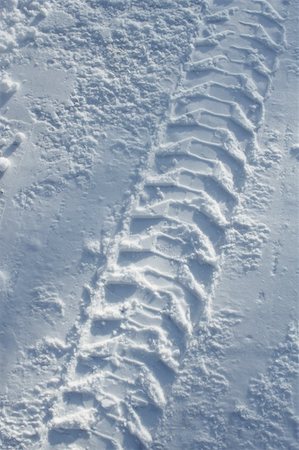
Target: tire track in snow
161 268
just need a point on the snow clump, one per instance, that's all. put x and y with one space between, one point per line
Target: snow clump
4 164
7 85
19 138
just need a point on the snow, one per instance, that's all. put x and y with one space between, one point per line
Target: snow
7 85
148 224
4 164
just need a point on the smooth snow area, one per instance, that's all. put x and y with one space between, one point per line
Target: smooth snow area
149 224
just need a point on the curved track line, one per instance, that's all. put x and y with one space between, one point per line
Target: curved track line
162 266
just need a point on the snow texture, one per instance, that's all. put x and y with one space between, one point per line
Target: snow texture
148 224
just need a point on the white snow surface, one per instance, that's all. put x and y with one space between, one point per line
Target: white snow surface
149 224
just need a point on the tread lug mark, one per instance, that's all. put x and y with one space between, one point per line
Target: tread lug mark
161 267
213 40
208 91
221 16
261 36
